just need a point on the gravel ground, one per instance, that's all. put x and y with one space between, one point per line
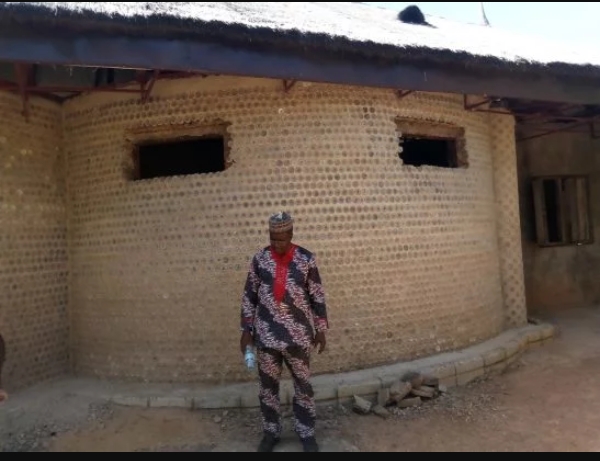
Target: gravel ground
545 402
38 432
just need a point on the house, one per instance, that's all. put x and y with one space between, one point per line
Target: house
144 145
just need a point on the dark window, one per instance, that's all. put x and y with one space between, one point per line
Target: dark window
418 151
561 206
180 157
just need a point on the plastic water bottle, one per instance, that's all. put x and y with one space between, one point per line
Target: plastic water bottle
250 358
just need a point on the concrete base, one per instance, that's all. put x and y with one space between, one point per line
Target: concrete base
453 369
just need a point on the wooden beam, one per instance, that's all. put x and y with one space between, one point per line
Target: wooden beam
186 56
472 106
570 126
9 86
23 77
402 93
288 85
150 85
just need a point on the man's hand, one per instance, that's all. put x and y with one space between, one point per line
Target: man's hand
245 341
3 396
320 342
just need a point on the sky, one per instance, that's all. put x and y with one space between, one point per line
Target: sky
572 23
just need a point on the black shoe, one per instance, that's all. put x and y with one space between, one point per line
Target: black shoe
268 443
310 445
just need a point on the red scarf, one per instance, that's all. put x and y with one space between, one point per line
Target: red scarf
282 264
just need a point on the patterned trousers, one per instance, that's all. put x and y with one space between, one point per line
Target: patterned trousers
270 367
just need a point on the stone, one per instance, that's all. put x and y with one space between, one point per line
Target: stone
362 406
494 356
370 387
381 412
414 378
217 419
170 402
466 378
399 390
409 403
443 389
130 401
424 391
431 381
383 397
469 364
547 331
449 382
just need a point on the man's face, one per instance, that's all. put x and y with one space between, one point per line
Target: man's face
281 241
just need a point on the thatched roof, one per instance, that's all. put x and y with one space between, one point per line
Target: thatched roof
350 28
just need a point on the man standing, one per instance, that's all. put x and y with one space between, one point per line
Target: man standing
284 315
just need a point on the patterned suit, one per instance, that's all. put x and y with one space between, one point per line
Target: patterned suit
283 304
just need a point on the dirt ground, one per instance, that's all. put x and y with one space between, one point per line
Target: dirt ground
548 401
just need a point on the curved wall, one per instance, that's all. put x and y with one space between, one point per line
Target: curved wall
409 256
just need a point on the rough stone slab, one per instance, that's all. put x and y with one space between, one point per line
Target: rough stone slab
523 343
391 375
218 401
424 392
325 392
469 364
415 378
129 401
494 356
170 402
325 387
514 358
249 399
383 397
369 387
547 331
409 403
441 370
496 368
448 382
431 381
400 390
512 347
534 335
465 378
381 412
361 406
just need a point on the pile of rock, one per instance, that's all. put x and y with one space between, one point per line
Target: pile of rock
410 391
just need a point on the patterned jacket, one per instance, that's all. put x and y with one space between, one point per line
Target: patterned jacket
293 321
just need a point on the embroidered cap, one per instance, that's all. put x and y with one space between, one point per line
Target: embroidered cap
281 222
